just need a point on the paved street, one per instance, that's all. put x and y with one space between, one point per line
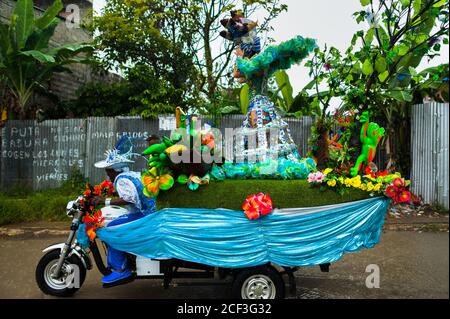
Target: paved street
412 265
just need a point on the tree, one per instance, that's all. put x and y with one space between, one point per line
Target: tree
150 41
26 61
174 37
401 34
206 16
379 74
431 83
327 67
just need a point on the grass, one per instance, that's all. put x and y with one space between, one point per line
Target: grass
19 204
232 193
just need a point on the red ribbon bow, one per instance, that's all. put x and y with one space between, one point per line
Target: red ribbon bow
256 206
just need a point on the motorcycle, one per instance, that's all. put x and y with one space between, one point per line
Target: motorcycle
62 270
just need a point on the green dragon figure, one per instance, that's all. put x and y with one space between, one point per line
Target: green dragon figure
371 134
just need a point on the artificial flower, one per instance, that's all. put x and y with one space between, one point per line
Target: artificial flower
317 177
194 182
332 183
327 171
208 140
154 180
348 182
356 181
383 173
258 205
97 190
397 191
377 187
93 222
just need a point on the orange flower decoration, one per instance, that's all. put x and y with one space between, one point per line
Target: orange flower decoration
208 140
155 180
93 223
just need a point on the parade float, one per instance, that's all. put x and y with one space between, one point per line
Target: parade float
267 209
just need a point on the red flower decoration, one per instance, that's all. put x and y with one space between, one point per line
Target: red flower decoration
399 184
258 205
368 171
397 191
95 220
104 184
383 173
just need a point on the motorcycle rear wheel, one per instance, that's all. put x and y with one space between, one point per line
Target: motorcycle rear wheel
70 281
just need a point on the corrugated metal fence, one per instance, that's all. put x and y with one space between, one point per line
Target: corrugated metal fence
42 155
430 152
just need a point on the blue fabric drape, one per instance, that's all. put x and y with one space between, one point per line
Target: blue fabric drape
226 238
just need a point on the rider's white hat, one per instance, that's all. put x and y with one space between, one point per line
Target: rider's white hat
119 157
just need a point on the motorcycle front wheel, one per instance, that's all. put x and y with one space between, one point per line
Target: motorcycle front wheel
73 274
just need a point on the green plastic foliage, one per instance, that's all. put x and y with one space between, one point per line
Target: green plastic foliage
245 98
285 87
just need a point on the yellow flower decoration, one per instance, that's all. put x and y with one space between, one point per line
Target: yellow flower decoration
327 171
363 187
348 182
332 183
370 187
356 181
377 187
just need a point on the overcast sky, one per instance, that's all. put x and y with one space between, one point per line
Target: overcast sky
328 21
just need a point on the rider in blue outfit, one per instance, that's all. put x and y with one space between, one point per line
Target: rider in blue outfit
130 191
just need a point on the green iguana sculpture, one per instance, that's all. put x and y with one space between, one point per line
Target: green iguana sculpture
371 134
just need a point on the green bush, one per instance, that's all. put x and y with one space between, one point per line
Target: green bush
47 205
20 204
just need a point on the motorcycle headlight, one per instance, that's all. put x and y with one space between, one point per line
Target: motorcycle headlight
69 208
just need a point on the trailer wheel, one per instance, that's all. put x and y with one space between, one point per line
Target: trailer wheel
262 282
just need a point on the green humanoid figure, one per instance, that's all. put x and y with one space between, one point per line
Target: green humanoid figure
371 134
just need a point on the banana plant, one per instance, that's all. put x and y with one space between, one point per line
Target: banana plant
26 61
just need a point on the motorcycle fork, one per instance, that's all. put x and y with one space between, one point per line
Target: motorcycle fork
67 245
